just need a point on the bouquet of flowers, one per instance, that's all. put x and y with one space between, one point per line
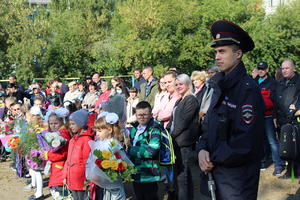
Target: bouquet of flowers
55 141
32 146
107 168
35 159
13 142
6 127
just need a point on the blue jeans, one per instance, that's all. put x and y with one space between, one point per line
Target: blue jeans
273 142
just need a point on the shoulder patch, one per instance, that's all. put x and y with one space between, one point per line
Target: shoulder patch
247 113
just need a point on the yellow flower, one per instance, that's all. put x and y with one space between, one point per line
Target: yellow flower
106 154
125 164
114 165
106 164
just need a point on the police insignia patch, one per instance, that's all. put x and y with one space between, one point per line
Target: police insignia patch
247 113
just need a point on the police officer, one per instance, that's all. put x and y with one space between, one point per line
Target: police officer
231 146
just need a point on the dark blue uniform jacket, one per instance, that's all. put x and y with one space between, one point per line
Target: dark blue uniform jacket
233 135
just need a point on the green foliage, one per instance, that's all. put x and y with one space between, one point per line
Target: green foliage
75 38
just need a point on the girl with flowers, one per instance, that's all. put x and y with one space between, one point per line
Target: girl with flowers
78 153
34 158
107 128
57 156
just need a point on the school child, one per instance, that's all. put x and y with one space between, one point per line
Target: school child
57 157
145 145
132 101
34 118
7 112
107 128
78 153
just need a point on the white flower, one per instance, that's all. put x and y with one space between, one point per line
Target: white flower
55 143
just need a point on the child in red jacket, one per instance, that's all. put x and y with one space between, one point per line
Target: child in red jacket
78 153
57 157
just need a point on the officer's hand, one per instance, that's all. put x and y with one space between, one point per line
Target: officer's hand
292 107
204 161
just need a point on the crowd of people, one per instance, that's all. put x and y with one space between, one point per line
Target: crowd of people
220 113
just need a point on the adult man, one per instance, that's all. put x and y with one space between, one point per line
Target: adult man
12 91
287 93
145 145
231 145
150 87
267 87
97 79
138 79
13 80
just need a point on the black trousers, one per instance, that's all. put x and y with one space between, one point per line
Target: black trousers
145 191
184 161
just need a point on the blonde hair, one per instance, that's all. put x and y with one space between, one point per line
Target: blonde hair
53 115
199 75
116 128
9 100
35 120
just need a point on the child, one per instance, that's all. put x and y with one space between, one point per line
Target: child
132 101
107 128
145 145
35 119
57 157
78 153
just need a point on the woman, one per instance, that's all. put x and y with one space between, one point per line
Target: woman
118 81
162 91
105 93
91 97
184 130
199 79
73 94
54 98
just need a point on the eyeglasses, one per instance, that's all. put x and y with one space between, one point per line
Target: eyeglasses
142 115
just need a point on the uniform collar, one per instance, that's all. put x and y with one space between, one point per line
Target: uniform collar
230 80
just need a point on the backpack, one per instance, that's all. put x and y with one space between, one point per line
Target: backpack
166 154
289 142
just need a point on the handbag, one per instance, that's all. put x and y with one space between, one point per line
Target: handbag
289 142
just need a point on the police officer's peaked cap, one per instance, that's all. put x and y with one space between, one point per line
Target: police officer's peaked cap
227 33
262 65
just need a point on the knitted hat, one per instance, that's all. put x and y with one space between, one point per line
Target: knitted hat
80 117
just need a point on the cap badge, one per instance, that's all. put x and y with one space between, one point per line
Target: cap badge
218 36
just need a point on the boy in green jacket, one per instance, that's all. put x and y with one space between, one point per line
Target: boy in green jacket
143 151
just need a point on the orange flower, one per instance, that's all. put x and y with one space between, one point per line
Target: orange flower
13 146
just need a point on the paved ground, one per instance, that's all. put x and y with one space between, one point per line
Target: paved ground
271 188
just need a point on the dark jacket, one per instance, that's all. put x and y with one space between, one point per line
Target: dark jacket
268 92
153 90
55 100
19 95
186 121
287 93
200 94
234 128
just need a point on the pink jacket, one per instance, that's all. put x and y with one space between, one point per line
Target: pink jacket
166 108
